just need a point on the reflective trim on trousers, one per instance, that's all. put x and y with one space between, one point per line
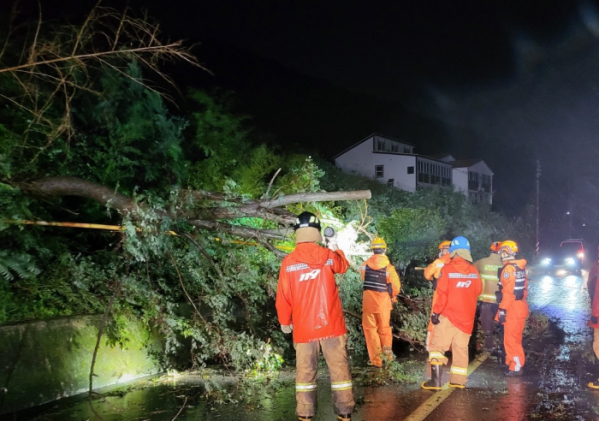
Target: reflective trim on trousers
487 296
341 385
459 370
518 365
435 355
305 387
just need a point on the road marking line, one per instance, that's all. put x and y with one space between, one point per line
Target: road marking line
434 401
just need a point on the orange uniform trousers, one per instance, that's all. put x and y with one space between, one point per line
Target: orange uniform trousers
448 336
334 351
512 341
596 342
379 337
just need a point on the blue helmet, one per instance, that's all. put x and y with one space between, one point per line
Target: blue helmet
459 243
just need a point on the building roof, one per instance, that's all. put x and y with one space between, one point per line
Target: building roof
467 163
438 156
462 163
370 136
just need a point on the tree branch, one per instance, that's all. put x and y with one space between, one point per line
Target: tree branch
315 197
73 186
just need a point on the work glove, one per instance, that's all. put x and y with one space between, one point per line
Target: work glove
332 242
435 318
502 315
287 328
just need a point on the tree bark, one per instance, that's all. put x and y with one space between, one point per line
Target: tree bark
73 186
206 218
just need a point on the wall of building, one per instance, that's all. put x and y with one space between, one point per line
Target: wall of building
363 160
460 180
43 361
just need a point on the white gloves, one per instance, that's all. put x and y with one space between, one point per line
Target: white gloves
287 328
332 242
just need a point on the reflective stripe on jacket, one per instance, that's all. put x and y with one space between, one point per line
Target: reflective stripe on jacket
488 269
457 292
513 284
378 301
433 271
307 294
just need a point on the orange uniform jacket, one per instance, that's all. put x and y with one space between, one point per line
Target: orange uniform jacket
433 271
517 309
307 294
457 293
378 302
594 293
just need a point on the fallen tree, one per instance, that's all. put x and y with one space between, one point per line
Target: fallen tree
212 214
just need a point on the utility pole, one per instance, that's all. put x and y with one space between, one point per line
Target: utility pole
538 202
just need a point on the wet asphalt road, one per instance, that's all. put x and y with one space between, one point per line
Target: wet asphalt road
558 367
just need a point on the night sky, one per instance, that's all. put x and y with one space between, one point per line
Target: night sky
508 81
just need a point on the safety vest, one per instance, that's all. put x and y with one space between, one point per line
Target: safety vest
489 269
375 280
519 286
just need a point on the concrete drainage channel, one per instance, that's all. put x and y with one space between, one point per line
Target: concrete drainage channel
43 361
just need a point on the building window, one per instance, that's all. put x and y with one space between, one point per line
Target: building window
379 171
394 147
406 149
390 182
410 170
380 145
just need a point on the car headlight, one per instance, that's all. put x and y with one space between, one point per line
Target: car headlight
580 255
546 261
569 261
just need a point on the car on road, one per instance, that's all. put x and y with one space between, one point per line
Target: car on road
566 259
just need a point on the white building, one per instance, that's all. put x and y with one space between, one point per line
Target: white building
472 177
394 163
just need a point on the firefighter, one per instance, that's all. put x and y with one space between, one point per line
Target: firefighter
513 309
592 281
453 315
308 305
381 285
432 273
488 268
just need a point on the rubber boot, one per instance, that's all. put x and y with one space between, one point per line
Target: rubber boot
343 417
456 385
435 382
510 373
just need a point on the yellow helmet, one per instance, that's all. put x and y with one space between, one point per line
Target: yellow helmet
509 246
444 245
378 243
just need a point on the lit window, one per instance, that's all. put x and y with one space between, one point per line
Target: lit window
379 171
